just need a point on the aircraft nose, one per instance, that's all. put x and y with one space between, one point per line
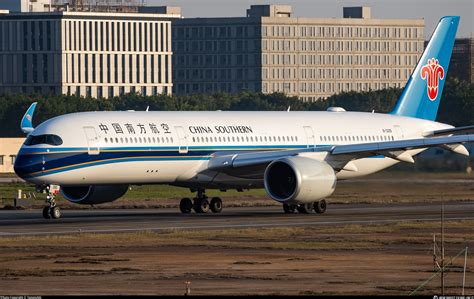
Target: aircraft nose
25 164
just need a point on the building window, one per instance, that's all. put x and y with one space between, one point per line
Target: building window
99 92
1 160
13 157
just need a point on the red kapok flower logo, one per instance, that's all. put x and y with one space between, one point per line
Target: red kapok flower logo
432 72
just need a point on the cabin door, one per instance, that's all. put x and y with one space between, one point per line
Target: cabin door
398 132
182 140
310 136
93 147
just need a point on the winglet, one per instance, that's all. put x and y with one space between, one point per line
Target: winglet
27 120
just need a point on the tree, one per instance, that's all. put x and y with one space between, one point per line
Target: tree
456 108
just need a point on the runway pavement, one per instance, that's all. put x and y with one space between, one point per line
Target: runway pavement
30 222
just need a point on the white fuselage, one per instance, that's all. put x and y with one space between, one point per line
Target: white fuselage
175 147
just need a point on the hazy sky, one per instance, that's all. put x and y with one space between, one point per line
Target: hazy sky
430 10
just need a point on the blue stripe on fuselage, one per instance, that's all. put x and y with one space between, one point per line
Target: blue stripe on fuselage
35 162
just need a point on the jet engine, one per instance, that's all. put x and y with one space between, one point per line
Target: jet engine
94 194
297 180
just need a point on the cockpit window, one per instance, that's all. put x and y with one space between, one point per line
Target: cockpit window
44 139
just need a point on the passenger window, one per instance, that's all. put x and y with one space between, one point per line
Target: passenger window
105 139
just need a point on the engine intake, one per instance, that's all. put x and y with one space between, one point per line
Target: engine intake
94 194
297 180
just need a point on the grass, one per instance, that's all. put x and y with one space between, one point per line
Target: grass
142 193
165 191
389 190
348 237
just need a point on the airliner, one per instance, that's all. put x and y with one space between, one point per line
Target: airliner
297 157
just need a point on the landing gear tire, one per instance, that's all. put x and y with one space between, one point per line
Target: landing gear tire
55 212
320 206
216 205
306 208
46 214
50 211
186 205
201 205
289 209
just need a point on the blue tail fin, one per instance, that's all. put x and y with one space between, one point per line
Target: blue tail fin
422 94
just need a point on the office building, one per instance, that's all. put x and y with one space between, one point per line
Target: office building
94 54
269 50
26 5
9 148
462 60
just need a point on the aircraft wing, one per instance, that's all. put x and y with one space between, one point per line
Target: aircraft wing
225 162
458 130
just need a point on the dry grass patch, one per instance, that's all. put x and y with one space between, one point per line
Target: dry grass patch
349 237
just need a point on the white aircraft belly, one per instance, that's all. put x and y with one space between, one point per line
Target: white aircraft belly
136 172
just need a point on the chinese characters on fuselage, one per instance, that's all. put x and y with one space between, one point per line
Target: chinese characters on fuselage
135 128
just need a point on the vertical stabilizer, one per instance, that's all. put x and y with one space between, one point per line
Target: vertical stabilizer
422 94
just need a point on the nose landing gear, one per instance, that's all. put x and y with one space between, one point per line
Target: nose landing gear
51 211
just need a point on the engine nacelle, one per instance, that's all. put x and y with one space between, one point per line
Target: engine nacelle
296 180
94 194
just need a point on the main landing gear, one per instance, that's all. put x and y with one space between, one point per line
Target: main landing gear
200 204
51 211
308 208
